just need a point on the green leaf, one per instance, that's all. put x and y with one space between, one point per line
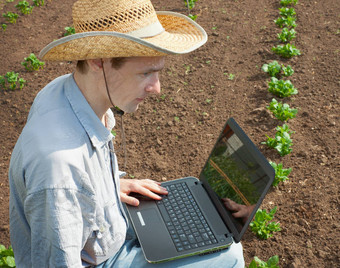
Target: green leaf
272 261
252 264
10 261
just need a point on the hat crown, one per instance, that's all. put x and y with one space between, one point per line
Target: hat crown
122 16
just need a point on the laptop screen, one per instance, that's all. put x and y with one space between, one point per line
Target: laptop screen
237 176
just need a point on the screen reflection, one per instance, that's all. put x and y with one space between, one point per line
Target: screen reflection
235 176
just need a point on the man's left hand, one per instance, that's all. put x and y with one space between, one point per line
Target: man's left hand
148 188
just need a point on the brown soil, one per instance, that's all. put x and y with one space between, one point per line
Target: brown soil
241 34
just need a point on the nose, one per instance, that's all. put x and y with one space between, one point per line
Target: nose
154 87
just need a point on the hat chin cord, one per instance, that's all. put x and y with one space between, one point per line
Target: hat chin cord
118 111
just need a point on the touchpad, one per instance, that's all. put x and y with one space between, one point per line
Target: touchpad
149 217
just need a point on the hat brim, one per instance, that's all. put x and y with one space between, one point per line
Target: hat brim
181 35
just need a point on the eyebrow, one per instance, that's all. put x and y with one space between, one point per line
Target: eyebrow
154 69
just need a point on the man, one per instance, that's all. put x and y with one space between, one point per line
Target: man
66 191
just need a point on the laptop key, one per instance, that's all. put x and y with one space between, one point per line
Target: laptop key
191 239
205 236
183 237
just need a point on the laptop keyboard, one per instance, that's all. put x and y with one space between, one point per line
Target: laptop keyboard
184 219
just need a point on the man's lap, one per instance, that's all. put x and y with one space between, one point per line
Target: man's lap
131 255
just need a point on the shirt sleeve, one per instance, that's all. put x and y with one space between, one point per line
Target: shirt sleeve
59 220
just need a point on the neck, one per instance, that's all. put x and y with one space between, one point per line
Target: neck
93 89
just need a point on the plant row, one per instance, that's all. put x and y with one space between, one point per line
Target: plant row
23 7
12 81
282 88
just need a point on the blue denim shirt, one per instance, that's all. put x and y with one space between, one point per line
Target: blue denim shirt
65 209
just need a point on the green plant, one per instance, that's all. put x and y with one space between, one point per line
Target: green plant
271 263
10 16
286 35
11 80
231 76
38 2
286 51
4 26
287 12
287 71
288 2
6 257
273 68
282 142
2 82
289 22
281 88
31 63
261 224
24 7
281 111
193 17
280 173
190 3
69 31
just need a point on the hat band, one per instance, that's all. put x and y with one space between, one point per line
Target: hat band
148 31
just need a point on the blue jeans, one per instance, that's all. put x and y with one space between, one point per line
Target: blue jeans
131 255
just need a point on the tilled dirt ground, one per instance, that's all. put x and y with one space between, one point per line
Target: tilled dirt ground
171 135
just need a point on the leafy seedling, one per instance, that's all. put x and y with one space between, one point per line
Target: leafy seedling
10 81
282 142
24 7
280 173
288 2
231 76
2 82
6 257
289 22
281 88
262 225
273 68
271 263
287 71
69 31
286 35
38 3
286 51
4 26
31 63
10 16
287 12
193 17
281 111
190 3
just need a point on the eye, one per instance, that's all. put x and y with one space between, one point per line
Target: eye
147 74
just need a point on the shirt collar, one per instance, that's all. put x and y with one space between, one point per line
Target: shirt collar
97 132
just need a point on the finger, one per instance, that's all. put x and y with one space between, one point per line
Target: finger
148 193
154 186
129 200
240 214
230 204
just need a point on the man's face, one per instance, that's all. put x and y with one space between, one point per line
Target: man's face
134 81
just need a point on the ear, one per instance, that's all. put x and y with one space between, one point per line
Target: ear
95 65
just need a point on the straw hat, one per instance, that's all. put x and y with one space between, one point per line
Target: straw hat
124 28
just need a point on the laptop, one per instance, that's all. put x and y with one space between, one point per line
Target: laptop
200 223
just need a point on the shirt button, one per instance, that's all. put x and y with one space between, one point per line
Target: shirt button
102 229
